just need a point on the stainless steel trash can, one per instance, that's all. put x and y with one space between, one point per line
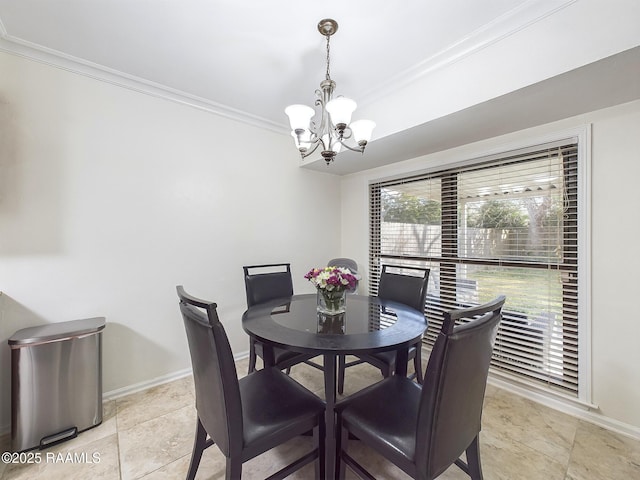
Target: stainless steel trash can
56 382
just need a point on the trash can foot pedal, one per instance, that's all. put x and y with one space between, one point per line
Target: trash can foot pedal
59 437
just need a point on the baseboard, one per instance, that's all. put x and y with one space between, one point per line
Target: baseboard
568 406
573 408
560 403
138 387
154 382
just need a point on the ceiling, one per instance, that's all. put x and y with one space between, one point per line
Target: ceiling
247 60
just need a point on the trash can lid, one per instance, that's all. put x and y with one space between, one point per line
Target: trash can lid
56 331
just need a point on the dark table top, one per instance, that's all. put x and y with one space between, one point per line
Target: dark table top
370 324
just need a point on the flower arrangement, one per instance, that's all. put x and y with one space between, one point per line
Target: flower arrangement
332 279
331 284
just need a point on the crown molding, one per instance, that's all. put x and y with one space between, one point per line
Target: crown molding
513 21
507 24
54 58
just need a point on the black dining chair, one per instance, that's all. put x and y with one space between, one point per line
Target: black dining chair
263 283
409 288
245 417
424 429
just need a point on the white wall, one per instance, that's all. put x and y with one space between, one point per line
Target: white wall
615 255
110 198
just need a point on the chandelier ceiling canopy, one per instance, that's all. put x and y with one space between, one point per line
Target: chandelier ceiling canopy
333 129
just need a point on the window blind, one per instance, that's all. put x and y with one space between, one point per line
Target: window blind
507 225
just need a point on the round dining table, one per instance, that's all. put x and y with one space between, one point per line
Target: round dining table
369 325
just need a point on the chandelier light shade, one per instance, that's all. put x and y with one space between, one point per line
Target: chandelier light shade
332 129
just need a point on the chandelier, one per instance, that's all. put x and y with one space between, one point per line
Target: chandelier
334 128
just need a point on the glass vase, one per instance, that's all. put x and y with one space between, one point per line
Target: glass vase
331 324
331 302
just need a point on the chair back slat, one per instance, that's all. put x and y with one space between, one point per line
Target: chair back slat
454 385
262 287
214 373
349 263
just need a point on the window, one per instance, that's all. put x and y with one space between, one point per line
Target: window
508 224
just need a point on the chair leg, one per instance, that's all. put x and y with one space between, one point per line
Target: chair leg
319 441
342 437
234 468
417 364
199 444
473 460
388 370
341 369
252 355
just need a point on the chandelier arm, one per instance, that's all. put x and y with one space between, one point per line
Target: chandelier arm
309 152
346 134
317 136
353 149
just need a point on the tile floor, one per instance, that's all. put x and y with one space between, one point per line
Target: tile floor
148 435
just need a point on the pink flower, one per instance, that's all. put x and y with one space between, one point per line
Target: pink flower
332 278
